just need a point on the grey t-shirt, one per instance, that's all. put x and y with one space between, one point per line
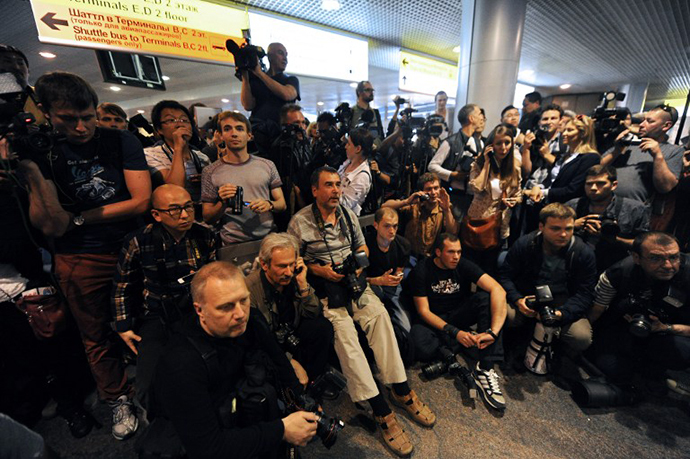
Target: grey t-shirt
338 238
635 167
257 177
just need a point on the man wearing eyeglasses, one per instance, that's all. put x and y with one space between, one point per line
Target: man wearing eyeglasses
362 112
653 165
154 270
642 311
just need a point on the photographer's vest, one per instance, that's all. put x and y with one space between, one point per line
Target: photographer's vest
457 143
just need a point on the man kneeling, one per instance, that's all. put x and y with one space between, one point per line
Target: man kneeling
211 382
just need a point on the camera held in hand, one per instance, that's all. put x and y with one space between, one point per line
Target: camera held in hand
543 305
348 268
247 56
641 310
26 139
285 335
424 197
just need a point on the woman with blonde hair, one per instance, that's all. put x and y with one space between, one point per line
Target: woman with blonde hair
566 179
495 181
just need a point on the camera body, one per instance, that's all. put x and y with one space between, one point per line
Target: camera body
327 427
26 139
424 197
609 225
440 367
466 159
541 135
543 304
641 310
348 268
630 139
285 335
247 56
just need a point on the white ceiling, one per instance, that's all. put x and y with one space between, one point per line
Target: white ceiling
592 44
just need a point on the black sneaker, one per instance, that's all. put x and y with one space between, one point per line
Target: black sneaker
489 389
79 421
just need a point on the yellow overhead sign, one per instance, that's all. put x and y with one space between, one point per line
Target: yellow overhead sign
426 75
173 28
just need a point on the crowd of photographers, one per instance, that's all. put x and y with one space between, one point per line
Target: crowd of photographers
565 226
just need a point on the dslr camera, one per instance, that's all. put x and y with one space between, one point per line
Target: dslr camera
543 305
246 56
349 268
285 335
641 310
609 226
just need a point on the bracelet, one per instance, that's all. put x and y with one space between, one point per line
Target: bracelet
669 329
451 330
303 290
493 335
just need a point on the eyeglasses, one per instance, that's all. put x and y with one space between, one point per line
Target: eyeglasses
176 211
368 90
176 120
673 113
658 259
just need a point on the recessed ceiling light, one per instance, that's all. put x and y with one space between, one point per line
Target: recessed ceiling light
115 88
527 73
565 86
47 55
456 49
353 84
165 77
141 111
319 103
225 101
330 5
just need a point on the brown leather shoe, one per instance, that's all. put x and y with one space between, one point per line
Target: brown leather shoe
418 410
393 435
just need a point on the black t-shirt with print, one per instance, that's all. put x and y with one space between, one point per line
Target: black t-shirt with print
445 289
89 176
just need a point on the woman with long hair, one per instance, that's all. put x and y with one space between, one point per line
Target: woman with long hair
495 181
567 176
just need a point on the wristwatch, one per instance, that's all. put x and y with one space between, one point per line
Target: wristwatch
78 220
271 204
491 332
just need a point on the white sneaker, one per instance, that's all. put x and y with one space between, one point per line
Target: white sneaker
678 387
125 420
489 389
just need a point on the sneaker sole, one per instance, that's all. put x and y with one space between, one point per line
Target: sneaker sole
486 398
125 437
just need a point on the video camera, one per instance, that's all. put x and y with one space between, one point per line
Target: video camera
543 305
608 122
327 427
26 139
247 56
411 124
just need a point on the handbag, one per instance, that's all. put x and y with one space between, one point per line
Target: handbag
481 233
45 310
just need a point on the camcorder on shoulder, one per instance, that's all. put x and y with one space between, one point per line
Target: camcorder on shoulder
542 303
247 56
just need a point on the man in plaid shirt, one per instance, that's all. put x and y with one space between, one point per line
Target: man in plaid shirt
150 292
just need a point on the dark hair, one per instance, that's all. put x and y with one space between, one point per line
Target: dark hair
465 112
660 238
672 112
534 97
506 170
438 94
509 107
288 108
113 109
14 50
316 175
426 178
65 88
553 107
327 117
597 170
361 137
237 116
440 241
556 210
162 105
360 87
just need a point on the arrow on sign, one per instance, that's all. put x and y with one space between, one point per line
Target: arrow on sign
405 62
404 80
50 20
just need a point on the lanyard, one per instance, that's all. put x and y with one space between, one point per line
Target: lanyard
322 227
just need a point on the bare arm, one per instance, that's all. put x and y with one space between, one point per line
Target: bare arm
664 180
177 175
279 204
212 211
246 97
499 307
398 203
286 92
45 211
139 187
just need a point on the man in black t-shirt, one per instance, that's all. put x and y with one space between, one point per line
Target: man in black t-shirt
263 93
389 253
442 291
86 196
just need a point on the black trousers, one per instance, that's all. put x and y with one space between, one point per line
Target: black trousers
474 310
618 353
315 344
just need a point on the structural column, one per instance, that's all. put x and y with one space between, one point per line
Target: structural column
491 40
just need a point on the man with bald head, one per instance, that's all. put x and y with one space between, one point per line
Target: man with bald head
151 291
264 93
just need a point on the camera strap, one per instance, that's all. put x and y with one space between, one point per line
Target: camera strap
350 234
